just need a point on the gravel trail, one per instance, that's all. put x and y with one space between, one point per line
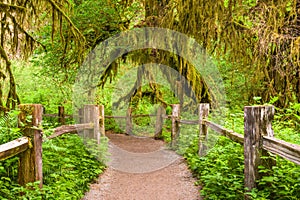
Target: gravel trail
143 169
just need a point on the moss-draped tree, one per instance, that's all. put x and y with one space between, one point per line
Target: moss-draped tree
64 31
20 20
260 39
190 80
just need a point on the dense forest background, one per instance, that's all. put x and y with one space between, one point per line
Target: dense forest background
255 45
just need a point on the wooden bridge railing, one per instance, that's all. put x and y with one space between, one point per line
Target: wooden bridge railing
29 147
258 138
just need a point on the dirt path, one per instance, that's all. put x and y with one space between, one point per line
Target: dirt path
143 169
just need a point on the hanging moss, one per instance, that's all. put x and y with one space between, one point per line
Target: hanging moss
258 37
18 20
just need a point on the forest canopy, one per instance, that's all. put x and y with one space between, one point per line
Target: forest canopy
256 43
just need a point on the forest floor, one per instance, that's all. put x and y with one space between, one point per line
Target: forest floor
143 169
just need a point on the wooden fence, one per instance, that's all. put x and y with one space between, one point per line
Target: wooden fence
258 138
61 115
29 147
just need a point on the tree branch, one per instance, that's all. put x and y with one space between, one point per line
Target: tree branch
4 5
67 18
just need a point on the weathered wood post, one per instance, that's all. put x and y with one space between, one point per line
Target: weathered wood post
175 123
96 124
179 91
30 164
91 115
159 121
80 116
257 123
61 115
87 118
129 121
203 130
102 118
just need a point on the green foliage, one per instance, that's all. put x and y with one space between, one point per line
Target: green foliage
166 134
8 127
234 120
282 182
9 167
68 168
288 117
36 87
118 88
188 135
220 172
69 174
235 83
97 19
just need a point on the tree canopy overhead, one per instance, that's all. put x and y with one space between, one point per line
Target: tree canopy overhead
260 40
64 31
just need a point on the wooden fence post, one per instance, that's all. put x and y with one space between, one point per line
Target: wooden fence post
87 110
102 118
179 91
129 121
257 123
30 164
175 123
203 130
159 121
96 124
80 116
61 115
91 115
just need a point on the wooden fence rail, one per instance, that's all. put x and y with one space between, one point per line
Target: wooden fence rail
282 148
61 115
29 147
70 129
236 137
258 138
13 148
133 116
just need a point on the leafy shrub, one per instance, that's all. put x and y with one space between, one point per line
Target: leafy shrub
220 172
8 127
68 168
282 182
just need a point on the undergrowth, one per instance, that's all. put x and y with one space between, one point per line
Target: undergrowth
221 171
68 169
